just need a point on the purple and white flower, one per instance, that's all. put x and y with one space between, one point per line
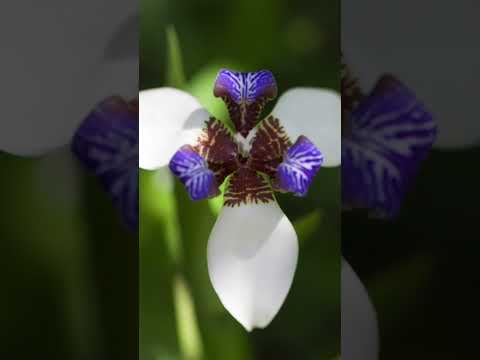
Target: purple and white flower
107 144
52 86
386 136
79 53
252 250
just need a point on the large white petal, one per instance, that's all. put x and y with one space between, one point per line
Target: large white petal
119 77
315 113
252 256
51 75
438 62
169 118
359 320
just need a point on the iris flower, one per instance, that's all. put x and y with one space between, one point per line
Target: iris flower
37 121
49 86
252 250
386 135
107 143
376 40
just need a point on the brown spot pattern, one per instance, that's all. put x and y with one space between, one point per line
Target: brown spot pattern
218 148
268 147
247 186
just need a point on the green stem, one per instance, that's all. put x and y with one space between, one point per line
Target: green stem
188 332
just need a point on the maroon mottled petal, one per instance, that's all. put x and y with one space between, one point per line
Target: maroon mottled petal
217 147
245 95
268 147
246 186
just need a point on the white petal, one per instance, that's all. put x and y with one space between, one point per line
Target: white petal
120 77
169 118
359 321
50 76
393 37
315 113
252 256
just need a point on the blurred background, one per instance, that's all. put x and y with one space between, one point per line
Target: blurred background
69 266
420 269
180 315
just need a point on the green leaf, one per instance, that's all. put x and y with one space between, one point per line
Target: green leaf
216 203
188 332
175 72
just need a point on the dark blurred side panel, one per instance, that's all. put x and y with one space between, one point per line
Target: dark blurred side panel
68 255
410 172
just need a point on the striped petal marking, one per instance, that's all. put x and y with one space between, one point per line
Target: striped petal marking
389 135
193 172
245 95
107 143
300 165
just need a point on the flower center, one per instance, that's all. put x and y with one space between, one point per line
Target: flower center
245 143
258 159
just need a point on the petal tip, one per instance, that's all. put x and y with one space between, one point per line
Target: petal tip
252 255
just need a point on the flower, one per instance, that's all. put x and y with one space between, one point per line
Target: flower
386 136
37 121
52 83
437 62
107 143
252 250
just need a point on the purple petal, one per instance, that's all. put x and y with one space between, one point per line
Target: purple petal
193 172
107 143
245 95
300 165
390 133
